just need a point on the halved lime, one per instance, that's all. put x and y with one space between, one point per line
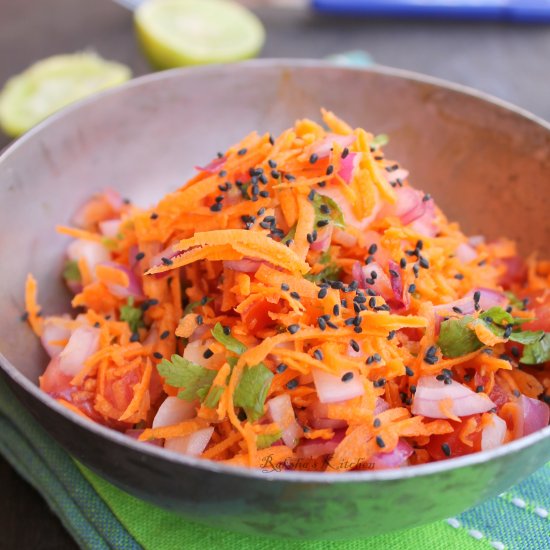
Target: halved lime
53 83
173 33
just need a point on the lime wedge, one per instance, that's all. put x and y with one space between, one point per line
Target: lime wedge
53 83
173 33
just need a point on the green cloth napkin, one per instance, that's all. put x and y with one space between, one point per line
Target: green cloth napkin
99 516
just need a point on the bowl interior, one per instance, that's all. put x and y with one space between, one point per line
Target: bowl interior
485 165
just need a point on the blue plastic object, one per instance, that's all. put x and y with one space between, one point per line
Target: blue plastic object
533 11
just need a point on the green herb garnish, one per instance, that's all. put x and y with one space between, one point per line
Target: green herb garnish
380 141
334 213
182 373
251 391
132 315
266 440
229 342
71 273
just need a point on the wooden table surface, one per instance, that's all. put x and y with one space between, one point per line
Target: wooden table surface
509 61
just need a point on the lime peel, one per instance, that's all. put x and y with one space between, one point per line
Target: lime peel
51 84
174 33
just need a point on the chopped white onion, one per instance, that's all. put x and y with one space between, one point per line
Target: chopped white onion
83 342
331 388
280 411
493 435
192 444
173 411
430 393
109 228
465 253
94 253
54 329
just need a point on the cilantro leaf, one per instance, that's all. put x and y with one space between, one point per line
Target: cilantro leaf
515 302
498 315
251 391
527 337
266 440
330 273
192 305
290 235
71 273
379 141
182 373
537 352
132 315
213 398
456 339
334 213
230 342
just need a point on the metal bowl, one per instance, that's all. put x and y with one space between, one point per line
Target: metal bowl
485 162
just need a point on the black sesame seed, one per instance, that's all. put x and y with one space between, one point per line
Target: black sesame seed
330 169
423 262
289 177
295 295
242 151
446 449
318 354
402 263
165 335
345 153
394 273
456 309
275 175
157 355
313 158
167 261
354 345
322 293
346 377
281 367
208 353
216 207
293 329
322 223
369 259
477 296
292 384
546 399
285 287
380 442
373 248
459 276
272 163
154 216
426 197
264 194
358 330
391 334
324 209
431 360
412 288
134 337
508 331
200 320
409 371
322 323
479 389
377 423
25 316
336 309
97 324
331 324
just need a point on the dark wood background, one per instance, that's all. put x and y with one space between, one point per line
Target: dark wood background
510 61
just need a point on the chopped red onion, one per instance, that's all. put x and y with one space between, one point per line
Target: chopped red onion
394 459
173 411
400 174
192 444
430 393
134 287
94 253
213 166
493 435
324 147
319 418
246 265
324 236
536 414
54 330
348 166
109 228
465 253
314 448
381 406
114 199
280 411
331 388
488 298
83 342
